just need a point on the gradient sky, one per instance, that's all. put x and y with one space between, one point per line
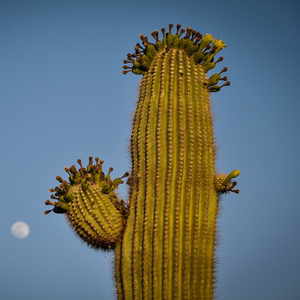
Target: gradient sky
63 96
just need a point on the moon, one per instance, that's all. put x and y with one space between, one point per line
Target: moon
20 230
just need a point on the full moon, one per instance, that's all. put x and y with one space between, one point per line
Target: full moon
20 230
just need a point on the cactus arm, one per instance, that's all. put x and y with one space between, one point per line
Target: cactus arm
92 208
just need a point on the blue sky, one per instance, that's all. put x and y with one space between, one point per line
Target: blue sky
63 96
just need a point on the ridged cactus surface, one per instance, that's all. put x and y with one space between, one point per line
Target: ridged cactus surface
90 204
164 236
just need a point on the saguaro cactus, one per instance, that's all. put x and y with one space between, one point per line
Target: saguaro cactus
164 236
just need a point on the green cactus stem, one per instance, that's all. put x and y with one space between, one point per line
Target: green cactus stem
165 235
90 204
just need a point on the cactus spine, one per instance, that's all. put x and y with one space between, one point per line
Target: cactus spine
167 249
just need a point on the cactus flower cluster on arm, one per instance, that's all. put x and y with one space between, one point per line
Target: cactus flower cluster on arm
164 235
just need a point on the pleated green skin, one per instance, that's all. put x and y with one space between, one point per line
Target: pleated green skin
169 242
165 235
94 217
90 204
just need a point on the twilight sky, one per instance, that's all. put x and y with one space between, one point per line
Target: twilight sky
63 96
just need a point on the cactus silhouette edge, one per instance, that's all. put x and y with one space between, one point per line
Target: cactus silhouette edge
164 235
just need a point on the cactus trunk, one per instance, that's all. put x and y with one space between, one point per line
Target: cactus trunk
165 236
173 201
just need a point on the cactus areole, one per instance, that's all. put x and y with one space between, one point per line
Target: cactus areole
164 235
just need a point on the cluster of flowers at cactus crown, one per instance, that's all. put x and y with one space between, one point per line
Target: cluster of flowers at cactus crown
193 43
82 178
